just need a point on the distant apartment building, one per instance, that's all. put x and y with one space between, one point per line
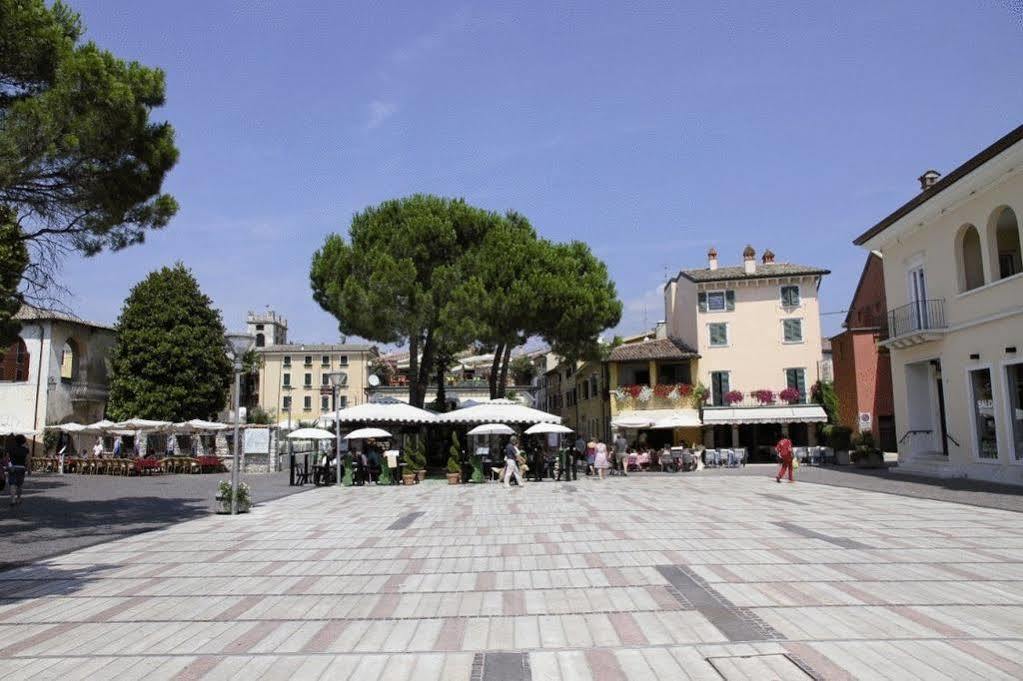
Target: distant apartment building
863 372
56 372
293 383
585 406
953 281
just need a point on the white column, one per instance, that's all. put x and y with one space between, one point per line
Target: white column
735 435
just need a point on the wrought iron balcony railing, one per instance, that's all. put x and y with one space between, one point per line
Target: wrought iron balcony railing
918 316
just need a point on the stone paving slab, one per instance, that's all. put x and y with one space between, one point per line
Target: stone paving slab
659 577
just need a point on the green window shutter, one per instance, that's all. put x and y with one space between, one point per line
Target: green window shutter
702 298
793 330
718 334
790 296
730 300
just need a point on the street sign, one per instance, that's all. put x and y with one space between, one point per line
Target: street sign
326 390
866 421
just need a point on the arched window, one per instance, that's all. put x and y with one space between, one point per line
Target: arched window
1003 240
260 340
970 260
14 362
69 361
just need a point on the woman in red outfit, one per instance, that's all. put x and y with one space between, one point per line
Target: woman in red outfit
784 449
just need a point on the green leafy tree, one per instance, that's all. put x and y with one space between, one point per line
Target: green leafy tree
400 277
169 362
13 261
823 393
81 164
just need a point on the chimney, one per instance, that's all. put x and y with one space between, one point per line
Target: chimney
768 257
712 258
928 179
749 260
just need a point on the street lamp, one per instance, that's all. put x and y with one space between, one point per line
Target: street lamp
338 379
237 345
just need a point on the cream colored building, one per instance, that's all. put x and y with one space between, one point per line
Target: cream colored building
293 383
747 334
954 287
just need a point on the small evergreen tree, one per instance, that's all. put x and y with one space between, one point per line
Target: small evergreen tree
454 455
169 362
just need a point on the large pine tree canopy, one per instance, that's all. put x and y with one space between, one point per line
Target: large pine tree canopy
81 164
170 361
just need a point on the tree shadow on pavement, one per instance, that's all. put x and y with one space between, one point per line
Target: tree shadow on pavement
35 581
46 525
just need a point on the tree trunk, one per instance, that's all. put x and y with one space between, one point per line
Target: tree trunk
504 370
441 393
426 366
413 370
495 369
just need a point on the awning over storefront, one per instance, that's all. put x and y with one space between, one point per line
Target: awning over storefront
795 413
658 418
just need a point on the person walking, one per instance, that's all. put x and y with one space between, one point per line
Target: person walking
511 462
591 456
784 449
17 465
600 459
621 446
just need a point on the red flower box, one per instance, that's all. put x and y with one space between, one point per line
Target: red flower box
791 395
733 397
763 396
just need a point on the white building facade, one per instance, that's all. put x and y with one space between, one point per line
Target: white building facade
954 285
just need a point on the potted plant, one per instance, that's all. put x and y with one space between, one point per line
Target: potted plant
700 393
224 497
838 438
733 397
865 453
408 476
763 396
419 460
454 463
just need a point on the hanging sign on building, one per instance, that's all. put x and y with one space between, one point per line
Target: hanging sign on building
866 421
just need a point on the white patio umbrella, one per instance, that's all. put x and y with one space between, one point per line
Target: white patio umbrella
388 410
71 427
11 430
365 433
540 428
99 427
492 429
196 425
310 434
498 411
142 424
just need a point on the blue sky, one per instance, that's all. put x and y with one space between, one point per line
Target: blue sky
649 130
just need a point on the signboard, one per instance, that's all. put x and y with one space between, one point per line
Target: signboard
257 440
866 421
326 390
482 452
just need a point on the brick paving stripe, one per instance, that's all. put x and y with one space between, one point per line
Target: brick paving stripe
841 542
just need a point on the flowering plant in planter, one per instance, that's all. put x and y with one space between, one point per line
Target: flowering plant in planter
791 395
224 497
645 393
700 393
685 389
633 391
733 396
663 389
763 396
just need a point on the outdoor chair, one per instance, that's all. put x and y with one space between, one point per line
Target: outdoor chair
814 456
800 454
710 457
727 458
632 463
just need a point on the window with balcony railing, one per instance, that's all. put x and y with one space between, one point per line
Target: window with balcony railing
920 315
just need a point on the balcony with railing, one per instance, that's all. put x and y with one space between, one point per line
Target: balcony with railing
919 322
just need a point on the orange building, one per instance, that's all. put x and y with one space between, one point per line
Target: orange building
863 371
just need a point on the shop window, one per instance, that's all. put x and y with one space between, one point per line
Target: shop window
1014 383
985 434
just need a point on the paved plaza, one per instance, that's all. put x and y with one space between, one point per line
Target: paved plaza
662 577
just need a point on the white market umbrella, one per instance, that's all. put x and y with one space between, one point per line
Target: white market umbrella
540 428
492 429
69 427
498 411
310 434
142 424
387 410
99 427
196 425
366 433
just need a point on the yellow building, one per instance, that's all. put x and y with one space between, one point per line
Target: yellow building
293 383
584 407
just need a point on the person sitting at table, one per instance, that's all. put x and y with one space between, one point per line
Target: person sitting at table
391 456
97 449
